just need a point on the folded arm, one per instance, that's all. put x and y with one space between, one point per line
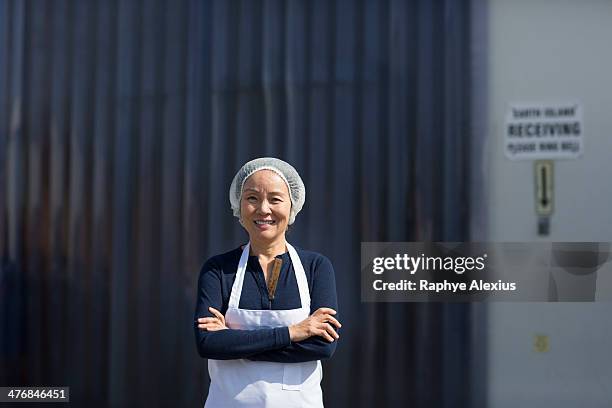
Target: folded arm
311 349
229 344
322 294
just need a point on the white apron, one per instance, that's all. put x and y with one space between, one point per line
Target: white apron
262 384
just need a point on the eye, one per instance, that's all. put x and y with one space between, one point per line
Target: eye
276 200
251 199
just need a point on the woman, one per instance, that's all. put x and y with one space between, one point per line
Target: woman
265 311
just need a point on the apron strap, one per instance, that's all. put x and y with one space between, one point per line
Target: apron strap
300 276
237 286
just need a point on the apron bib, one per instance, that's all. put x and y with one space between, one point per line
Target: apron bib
262 384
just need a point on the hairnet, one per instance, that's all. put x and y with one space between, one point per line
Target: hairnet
290 176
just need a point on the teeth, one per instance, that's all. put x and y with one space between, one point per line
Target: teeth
264 222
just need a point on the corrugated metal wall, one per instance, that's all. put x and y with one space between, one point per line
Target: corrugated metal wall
121 126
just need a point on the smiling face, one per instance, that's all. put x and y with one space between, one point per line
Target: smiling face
265 206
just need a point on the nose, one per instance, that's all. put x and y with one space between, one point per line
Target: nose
264 208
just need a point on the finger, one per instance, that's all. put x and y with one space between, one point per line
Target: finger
325 310
331 331
212 321
331 319
217 313
326 318
208 320
210 326
323 333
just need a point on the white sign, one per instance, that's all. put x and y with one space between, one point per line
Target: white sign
537 131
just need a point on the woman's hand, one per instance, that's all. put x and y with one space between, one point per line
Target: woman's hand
317 324
212 323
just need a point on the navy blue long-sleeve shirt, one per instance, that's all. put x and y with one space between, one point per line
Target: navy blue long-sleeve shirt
266 344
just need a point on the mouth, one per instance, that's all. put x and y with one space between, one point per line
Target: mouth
265 222
263 225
